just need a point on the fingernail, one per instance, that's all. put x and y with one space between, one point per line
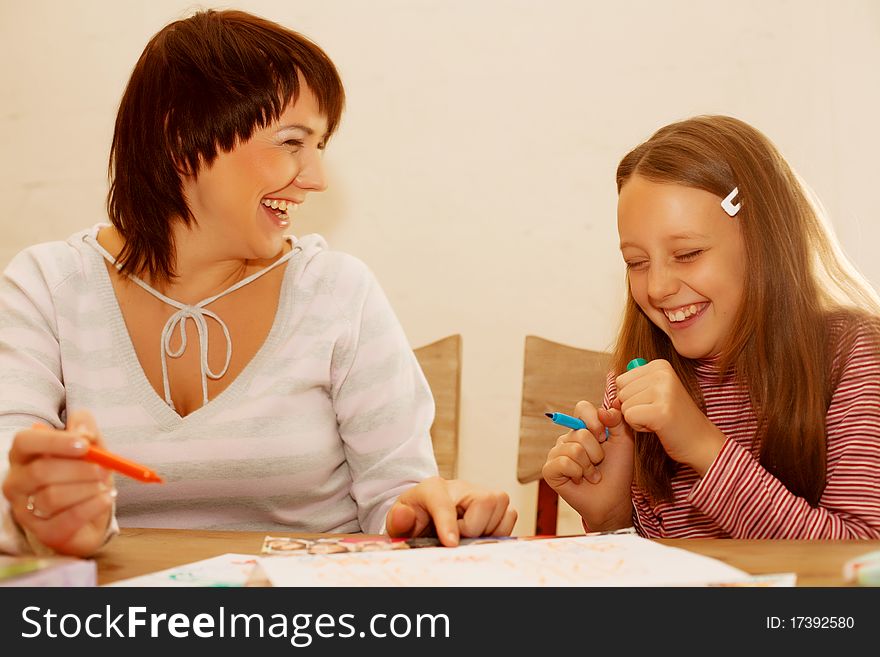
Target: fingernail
83 430
594 476
113 493
451 537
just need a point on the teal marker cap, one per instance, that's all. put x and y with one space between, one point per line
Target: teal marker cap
635 362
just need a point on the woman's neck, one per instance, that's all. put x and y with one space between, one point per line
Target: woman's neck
200 272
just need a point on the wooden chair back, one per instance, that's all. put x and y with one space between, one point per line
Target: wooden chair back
555 378
441 363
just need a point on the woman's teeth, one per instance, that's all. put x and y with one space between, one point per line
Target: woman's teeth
280 207
681 314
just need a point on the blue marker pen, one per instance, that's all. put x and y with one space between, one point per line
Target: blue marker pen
571 422
567 421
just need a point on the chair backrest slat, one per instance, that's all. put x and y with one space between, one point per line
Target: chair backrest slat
555 378
441 363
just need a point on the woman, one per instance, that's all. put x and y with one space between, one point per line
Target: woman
317 420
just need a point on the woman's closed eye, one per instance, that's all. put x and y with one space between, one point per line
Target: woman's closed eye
297 144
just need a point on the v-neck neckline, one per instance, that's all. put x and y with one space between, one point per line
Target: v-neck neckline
124 347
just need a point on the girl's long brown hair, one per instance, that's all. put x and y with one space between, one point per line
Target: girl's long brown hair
779 346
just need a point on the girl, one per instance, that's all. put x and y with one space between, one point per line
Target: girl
758 413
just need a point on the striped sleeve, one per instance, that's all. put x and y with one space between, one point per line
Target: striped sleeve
31 376
748 502
610 390
383 404
31 388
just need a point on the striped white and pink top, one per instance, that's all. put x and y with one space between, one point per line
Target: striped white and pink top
320 432
739 498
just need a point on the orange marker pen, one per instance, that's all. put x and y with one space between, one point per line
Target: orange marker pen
114 462
121 465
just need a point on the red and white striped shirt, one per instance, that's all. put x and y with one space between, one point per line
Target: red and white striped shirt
739 498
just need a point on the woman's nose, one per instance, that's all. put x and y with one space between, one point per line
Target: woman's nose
312 176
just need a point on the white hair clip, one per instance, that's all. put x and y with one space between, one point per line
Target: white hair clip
728 205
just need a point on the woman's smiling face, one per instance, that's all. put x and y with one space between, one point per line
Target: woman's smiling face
238 196
685 261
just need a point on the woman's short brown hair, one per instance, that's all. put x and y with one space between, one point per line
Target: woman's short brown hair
202 84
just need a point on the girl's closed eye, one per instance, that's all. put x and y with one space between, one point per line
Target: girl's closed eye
690 255
636 264
294 143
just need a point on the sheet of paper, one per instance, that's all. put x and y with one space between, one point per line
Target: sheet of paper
613 560
763 581
291 547
227 570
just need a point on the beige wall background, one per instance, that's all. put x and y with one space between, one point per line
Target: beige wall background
474 169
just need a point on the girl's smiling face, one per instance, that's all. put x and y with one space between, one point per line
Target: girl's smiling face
685 261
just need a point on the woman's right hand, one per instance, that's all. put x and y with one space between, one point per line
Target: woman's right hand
592 474
63 501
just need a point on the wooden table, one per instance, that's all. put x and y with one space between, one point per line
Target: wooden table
141 551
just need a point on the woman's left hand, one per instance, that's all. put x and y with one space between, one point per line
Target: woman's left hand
453 508
653 399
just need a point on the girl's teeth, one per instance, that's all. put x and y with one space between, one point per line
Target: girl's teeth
274 205
681 315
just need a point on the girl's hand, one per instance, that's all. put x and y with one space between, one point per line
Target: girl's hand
592 474
653 399
450 508
63 501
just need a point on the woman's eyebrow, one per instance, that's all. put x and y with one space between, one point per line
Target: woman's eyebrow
297 126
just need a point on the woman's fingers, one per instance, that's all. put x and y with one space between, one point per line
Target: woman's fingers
502 505
30 444
482 512
40 473
454 507
505 527
52 500
23 481
82 423
428 501
58 530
